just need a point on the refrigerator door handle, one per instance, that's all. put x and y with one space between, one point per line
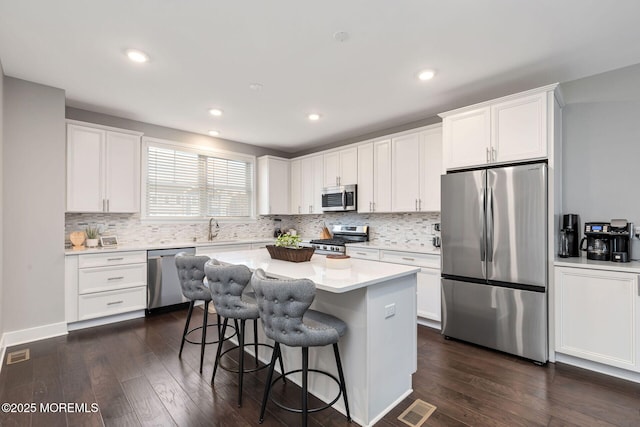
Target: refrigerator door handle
490 225
481 220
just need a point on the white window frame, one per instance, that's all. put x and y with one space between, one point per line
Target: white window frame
196 149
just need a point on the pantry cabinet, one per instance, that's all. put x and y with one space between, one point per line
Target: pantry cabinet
374 176
307 176
416 169
597 316
509 129
103 170
341 167
273 186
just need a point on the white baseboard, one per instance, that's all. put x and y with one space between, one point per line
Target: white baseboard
598 367
34 334
3 350
105 320
434 324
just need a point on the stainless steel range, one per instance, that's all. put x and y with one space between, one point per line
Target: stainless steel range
342 234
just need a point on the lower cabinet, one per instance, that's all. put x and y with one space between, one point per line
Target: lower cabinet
429 294
597 316
99 285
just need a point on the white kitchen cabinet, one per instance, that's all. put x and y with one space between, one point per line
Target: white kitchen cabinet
306 185
509 129
273 186
416 169
429 294
103 170
340 167
374 176
597 316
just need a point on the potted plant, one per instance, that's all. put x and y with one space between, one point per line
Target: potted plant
92 236
287 248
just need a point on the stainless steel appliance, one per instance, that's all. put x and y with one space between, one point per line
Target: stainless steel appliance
494 258
164 292
340 198
569 240
342 234
621 233
597 236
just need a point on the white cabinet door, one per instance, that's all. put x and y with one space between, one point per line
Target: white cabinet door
365 177
596 316
84 169
382 176
430 170
519 128
429 294
296 187
341 167
122 172
467 138
331 169
405 170
312 174
273 186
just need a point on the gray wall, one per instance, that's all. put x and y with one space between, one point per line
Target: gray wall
2 308
601 152
34 201
169 133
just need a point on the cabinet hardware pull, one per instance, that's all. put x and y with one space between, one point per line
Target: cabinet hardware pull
116 278
420 204
408 259
370 206
416 205
107 205
299 209
361 253
374 207
115 302
488 159
104 206
310 208
115 259
494 154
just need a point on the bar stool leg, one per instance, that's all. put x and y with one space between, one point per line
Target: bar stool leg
241 360
343 386
255 339
305 374
186 327
220 342
204 333
267 386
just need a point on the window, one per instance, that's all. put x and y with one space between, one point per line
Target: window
188 182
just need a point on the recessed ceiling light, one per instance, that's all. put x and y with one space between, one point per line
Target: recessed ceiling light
137 56
426 74
215 112
255 86
314 117
214 133
341 36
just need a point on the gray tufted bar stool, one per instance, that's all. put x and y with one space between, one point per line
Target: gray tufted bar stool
191 275
227 284
287 319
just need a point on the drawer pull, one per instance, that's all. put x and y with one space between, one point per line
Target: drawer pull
115 302
408 259
116 278
361 253
115 259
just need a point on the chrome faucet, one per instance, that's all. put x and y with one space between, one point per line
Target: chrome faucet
213 235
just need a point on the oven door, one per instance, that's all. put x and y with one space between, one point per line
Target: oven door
341 198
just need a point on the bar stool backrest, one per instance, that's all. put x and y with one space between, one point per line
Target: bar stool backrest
227 282
191 276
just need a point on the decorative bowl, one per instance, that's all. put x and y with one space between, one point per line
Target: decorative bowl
290 254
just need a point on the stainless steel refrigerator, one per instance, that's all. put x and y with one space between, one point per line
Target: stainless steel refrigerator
494 258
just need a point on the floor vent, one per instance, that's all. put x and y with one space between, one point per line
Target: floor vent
416 414
18 356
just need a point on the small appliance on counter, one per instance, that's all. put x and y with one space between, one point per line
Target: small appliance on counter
598 238
569 240
621 234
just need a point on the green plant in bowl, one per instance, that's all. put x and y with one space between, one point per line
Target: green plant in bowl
92 232
288 241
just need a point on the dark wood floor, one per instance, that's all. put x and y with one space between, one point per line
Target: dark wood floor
131 370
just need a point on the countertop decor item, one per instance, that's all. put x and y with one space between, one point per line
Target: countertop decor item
77 239
287 248
338 261
108 241
92 236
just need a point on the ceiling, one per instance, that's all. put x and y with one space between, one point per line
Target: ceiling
206 53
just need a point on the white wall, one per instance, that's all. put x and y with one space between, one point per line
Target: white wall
601 153
33 170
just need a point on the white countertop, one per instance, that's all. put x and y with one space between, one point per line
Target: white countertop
397 247
166 245
583 262
362 273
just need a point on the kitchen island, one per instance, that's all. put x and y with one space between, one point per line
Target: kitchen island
379 351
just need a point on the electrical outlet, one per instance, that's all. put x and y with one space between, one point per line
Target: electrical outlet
389 310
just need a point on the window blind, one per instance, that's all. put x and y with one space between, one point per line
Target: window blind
190 184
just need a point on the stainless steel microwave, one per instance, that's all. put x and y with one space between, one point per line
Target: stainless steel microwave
340 198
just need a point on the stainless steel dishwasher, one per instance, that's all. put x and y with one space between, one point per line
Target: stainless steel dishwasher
163 286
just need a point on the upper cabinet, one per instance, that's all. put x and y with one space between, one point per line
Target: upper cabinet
341 167
306 185
273 186
416 169
509 129
103 170
374 176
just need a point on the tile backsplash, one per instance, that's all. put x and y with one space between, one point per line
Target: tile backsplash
385 228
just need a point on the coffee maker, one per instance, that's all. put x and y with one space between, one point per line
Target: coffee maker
598 240
621 233
569 240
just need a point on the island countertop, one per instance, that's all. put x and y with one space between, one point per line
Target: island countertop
362 273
